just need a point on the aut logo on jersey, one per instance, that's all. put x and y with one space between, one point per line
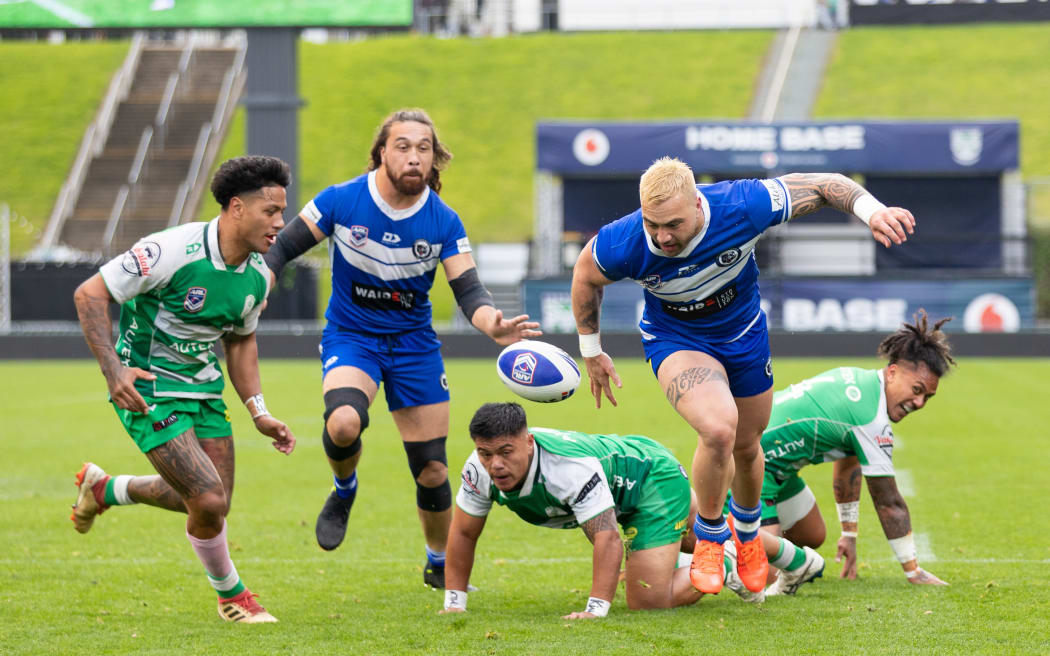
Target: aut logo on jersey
195 299
524 368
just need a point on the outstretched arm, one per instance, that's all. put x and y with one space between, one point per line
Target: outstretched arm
896 524
92 299
604 534
588 287
242 362
811 191
300 235
478 306
846 484
463 537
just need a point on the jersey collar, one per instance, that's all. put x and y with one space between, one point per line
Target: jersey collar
385 208
211 248
694 242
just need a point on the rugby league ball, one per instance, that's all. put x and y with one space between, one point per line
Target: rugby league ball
538 371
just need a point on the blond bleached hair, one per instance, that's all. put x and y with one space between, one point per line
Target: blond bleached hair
665 179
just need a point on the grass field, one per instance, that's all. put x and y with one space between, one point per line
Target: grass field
974 461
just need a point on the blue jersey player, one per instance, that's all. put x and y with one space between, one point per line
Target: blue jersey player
389 230
703 331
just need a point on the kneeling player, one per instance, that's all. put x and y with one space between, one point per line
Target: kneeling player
844 415
590 481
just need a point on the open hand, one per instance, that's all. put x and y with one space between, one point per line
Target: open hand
600 371
892 225
283 439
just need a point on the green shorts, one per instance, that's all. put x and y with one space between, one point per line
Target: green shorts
170 417
776 492
662 514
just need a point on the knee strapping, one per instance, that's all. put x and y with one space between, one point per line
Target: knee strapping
351 396
420 453
336 452
434 499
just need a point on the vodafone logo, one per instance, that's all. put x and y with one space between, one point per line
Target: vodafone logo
991 313
591 147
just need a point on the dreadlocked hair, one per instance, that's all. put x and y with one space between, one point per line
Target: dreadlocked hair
920 343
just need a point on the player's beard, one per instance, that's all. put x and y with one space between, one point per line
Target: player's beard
408 185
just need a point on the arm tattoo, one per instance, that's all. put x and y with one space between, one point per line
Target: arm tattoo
98 332
603 522
847 490
811 191
890 506
590 311
185 466
689 379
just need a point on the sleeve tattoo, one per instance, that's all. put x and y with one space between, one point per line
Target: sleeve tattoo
603 522
811 191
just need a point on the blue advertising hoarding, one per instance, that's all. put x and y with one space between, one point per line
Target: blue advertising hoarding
823 304
616 149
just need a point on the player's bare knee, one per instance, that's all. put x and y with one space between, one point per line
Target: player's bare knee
718 436
434 474
343 426
648 598
208 508
747 452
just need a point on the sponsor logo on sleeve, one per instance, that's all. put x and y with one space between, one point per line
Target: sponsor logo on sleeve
470 478
595 481
421 248
379 298
358 235
524 368
311 212
141 259
195 299
776 195
463 245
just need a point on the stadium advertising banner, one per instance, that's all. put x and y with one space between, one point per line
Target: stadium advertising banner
992 305
872 12
108 14
960 147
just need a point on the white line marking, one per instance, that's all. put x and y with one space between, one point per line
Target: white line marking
65 13
923 550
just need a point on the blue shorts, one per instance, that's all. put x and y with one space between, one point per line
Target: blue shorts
746 360
408 364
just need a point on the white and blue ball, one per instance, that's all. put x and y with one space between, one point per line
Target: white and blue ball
538 371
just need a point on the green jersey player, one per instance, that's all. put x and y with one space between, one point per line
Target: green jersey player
180 291
567 479
845 416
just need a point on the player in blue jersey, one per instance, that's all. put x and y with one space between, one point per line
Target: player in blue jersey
703 331
389 230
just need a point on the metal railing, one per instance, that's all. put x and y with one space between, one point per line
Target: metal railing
94 140
138 166
208 138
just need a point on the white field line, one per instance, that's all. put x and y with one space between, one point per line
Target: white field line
65 13
905 483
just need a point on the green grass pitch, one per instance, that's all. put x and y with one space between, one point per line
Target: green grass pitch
975 460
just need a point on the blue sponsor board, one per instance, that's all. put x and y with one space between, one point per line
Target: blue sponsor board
608 149
823 304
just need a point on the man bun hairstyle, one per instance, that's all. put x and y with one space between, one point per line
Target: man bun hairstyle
920 343
247 174
497 419
442 155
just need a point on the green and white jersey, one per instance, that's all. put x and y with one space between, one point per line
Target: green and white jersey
839 413
177 297
573 477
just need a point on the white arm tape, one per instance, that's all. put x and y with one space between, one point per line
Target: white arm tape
591 345
455 599
865 206
915 572
256 406
849 511
597 607
849 534
903 548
